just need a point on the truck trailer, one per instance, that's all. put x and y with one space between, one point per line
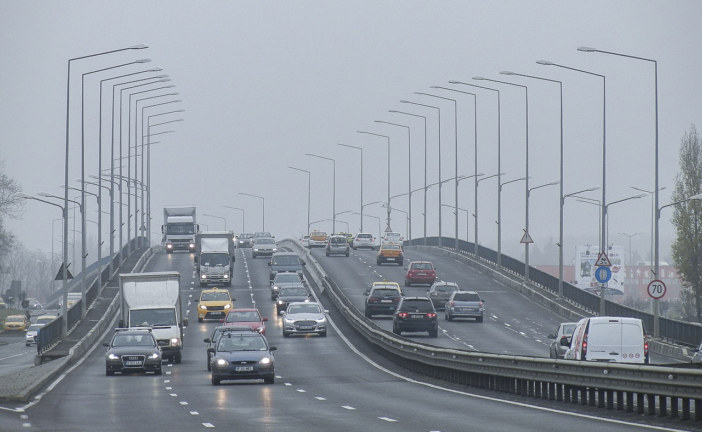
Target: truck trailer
179 228
153 300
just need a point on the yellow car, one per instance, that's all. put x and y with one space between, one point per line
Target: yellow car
318 239
390 252
45 319
214 304
385 285
16 322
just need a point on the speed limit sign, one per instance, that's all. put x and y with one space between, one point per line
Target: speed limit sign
656 289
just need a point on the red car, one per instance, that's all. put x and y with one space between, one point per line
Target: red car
250 317
420 272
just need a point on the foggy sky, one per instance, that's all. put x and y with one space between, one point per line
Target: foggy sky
265 82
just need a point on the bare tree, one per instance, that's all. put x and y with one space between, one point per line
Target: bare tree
10 206
687 219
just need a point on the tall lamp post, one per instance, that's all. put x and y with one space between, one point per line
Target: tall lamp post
438 110
374 217
425 169
526 274
526 174
333 161
560 234
409 172
361 166
499 219
387 140
263 208
243 228
309 190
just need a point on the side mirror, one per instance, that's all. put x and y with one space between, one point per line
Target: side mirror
105 344
552 336
185 322
482 300
206 340
265 319
366 292
269 264
273 348
121 323
222 320
304 263
195 259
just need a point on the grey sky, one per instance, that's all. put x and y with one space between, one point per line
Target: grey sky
265 82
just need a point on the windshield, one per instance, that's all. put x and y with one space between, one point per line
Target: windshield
259 241
152 317
241 342
214 259
287 278
293 292
391 247
243 316
14 319
133 340
180 228
306 308
215 296
286 260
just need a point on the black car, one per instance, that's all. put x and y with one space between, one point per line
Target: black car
214 338
285 262
244 240
415 314
285 279
132 350
243 355
381 301
289 294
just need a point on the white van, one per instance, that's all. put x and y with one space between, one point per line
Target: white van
609 339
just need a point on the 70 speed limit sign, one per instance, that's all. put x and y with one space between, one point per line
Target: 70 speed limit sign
656 289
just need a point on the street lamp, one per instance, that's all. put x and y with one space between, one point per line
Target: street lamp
374 217
603 241
438 110
243 228
560 234
333 185
477 183
309 178
526 174
361 166
455 209
409 172
629 236
217 217
527 238
407 220
653 219
263 208
425 169
467 216
387 139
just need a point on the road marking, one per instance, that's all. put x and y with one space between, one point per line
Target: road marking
301 391
174 394
208 425
288 384
320 398
183 403
194 413
169 388
387 419
346 407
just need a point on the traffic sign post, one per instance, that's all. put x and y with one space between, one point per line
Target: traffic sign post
603 274
656 289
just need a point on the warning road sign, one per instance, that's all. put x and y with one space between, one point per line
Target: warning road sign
603 260
526 238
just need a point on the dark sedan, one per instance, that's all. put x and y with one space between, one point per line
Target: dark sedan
132 351
290 294
214 338
243 356
415 314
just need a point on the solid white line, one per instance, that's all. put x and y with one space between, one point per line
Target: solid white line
13 356
487 398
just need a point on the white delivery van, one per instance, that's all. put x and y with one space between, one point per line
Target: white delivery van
609 339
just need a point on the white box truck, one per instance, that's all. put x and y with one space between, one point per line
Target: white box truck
153 300
214 257
179 228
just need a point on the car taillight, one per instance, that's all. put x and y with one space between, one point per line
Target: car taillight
431 315
645 348
583 352
452 304
372 299
480 305
403 314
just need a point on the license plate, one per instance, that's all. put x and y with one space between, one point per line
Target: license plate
417 316
421 274
305 327
132 363
243 368
216 313
391 259
385 301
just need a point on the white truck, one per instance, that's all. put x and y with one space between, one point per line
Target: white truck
153 300
179 228
214 257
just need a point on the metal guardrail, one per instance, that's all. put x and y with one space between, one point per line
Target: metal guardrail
662 391
676 331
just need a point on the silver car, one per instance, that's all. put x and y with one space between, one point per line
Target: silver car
32 332
304 318
364 240
337 245
465 304
263 246
561 340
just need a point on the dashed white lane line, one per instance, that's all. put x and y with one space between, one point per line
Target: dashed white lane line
169 388
208 425
301 391
320 398
173 394
347 407
183 403
387 419
194 413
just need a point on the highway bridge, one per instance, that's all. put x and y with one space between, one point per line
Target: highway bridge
339 382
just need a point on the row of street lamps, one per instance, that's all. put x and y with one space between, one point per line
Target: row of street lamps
116 179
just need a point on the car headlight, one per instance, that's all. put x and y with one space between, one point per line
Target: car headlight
203 276
227 306
259 329
221 362
226 275
321 320
112 357
154 355
280 302
203 307
289 319
266 360
169 246
276 288
175 341
275 249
